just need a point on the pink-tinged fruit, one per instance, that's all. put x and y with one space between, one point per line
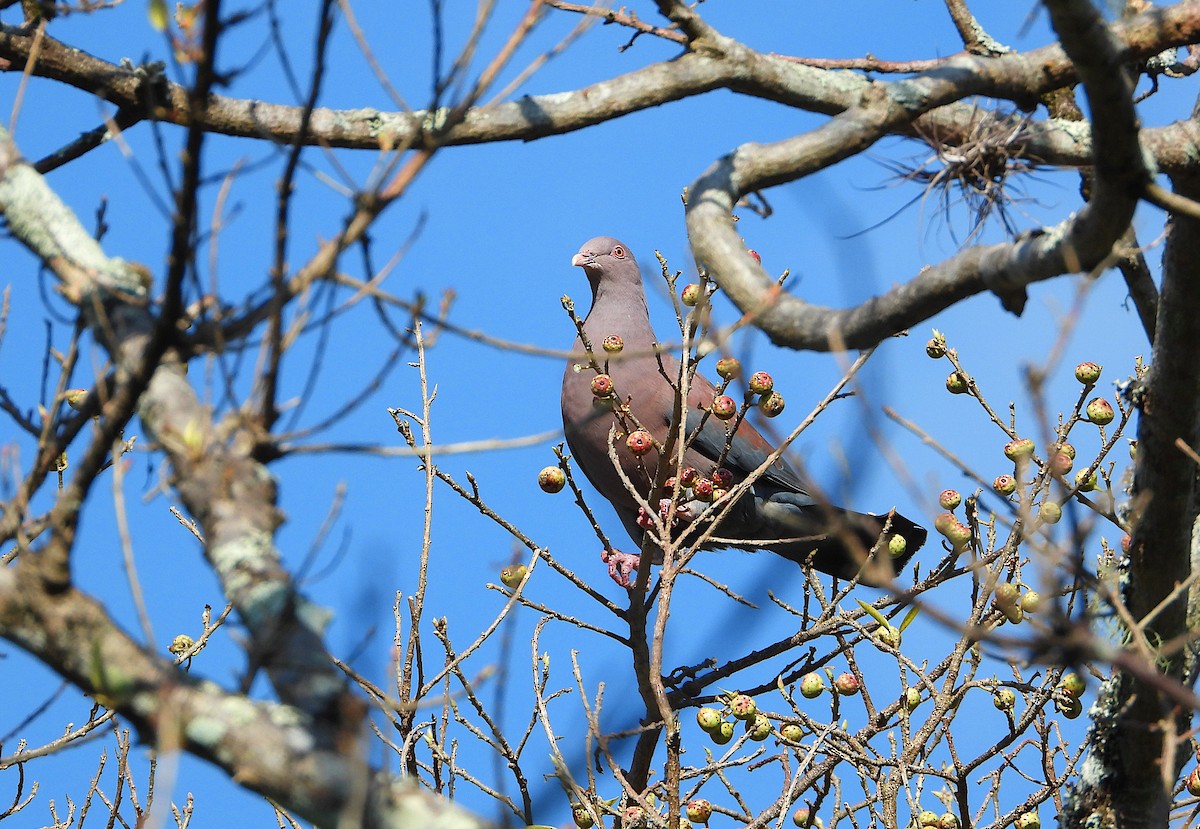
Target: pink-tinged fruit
729 368
724 407
699 810
949 499
722 478
846 684
613 344
1100 412
552 479
754 255
691 295
639 442
702 489
602 385
760 382
1005 484
1087 373
743 707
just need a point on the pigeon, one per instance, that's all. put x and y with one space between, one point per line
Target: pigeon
776 513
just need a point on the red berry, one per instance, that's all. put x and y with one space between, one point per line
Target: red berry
1087 373
729 368
846 684
1100 412
724 407
688 476
552 479
639 442
613 344
722 478
949 499
760 382
702 489
602 385
1193 783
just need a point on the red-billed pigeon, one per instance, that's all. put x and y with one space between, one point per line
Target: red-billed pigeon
777 513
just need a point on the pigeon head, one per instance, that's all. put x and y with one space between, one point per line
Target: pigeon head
607 259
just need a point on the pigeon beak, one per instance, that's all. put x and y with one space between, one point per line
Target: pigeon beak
580 261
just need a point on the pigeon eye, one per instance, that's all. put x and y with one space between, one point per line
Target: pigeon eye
618 252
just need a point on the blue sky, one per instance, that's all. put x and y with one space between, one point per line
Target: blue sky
498 225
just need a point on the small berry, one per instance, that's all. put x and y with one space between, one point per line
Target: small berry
754 255
1019 448
688 476
957 383
699 810
791 732
1067 449
181 643
1086 482
1031 602
724 407
702 489
1061 463
811 685
743 707
760 382
1068 706
613 344
805 819
846 684
639 442
897 544
1193 782
911 699
722 478
948 820
513 574
1013 613
691 295
1072 683
1087 373
582 817
758 728
949 499
935 348
708 718
1007 594
76 398
552 479
602 385
1004 699
944 523
927 818
634 816
729 368
723 733
771 404
1050 512
718 494
1029 820
1005 484
1100 412
887 636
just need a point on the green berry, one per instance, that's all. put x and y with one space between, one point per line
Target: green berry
1031 602
1007 594
1019 448
582 817
771 404
811 685
613 344
708 718
513 574
760 382
1050 512
691 295
723 733
791 732
957 383
699 810
759 728
552 479
639 442
897 545
949 499
927 818
724 407
1086 482
935 348
1068 706
911 699
1087 373
1004 699
1072 683
887 636
729 368
1100 412
804 819
1005 484
948 820
1029 820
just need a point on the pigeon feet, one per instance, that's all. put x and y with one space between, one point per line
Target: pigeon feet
621 566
